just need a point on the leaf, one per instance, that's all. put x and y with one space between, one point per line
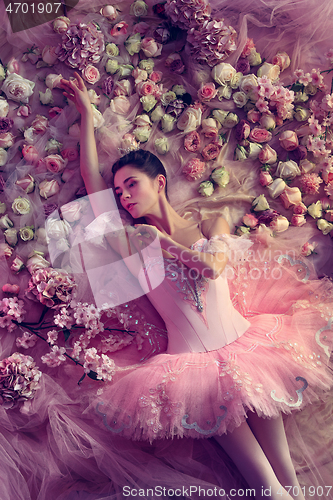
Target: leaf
66 334
92 375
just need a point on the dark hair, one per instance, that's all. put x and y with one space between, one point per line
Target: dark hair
145 161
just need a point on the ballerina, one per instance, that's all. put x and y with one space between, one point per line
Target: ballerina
258 446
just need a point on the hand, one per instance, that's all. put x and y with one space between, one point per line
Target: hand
144 235
76 91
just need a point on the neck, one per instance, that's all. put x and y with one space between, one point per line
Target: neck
165 218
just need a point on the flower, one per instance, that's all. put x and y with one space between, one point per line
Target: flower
206 188
209 127
287 169
265 178
224 92
27 183
21 206
109 12
254 58
260 203
19 378
310 183
190 120
162 145
111 66
240 99
147 65
267 121
291 196
230 120
26 233
148 102
3 157
168 97
167 123
11 236
276 188
282 60
70 154
53 81
250 220
46 97
91 74
6 140
3 208
223 73
192 141
253 150
119 29
211 151
315 210
55 163
17 264
2 73
207 92
242 130
308 249
298 220
240 153
112 50
324 226
49 55
6 222
248 83
53 146
4 107
175 63
48 188
300 209
220 176
27 340
55 357
133 44
288 140
5 125
260 135
142 134
120 104
139 8
36 261
5 250
40 124
98 119
267 155
240 230
57 228
18 88
194 169
271 71
306 166
151 48
301 114
51 287
60 24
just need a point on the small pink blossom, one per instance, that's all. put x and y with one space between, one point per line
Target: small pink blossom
310 183
27 340
52 336
55 357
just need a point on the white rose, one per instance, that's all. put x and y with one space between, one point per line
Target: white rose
235 80
268 121
112 50
11 236
4 107
53 81
254 150
36 261
224 92
220 176
223 73
139 8
179 90
287 169
189 120
142 121
3 157
168 123
148 102
240 99
302 114
123 87
112 66
254 58
17 88
206 188
315 210
5 222
2 73
240 153
230 120
260 203
56 228
162 145
248 83
26 233
53 146
46 97
133 44
220 115
271 71
142 133
97 117
307 166
21 206
279 224
324 226
276 188
3 208
157 114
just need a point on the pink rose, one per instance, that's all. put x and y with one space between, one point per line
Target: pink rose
55 163
60 25
150 47
265 178
9 288
194 169
209 127
268 121
260 135
211 151
6 140
282 60
253 115
36 261
279 224
119 29
192 141
267 155
250 221
71 211
27 183
53 81
70 154
300 209
29 153
13 66
156 76
298 220
326 204
308 248
24 110
48 188
49 55
291 196
207 92
242 130
329 215
91 74
146 88
139 75
175 63
55 111
40 124
288 140
5 250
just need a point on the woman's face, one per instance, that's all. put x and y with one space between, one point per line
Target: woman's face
137 192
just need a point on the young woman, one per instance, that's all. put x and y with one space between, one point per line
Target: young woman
221 370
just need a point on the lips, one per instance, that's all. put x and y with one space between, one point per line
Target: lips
130 206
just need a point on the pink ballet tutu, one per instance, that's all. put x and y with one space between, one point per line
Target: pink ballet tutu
280 364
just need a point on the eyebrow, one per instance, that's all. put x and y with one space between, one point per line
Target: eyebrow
128 179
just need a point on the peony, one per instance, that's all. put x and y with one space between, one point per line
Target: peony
46 97
139 8
267 155
17 88
27 183
49 55
287 169
282 60
315 210
324 226
192 141
120 105
194 169
60 25
207 92
3 157
4 107
291 196
288 140
220 176
250 220
223 73
271 71
26 233
190 120
162 145
151 48
211 151
298 220
55 163
260 135
21 206
48 188
206 188
310 183
6 140
91 74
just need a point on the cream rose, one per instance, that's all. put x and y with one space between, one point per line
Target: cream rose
282 60
11 236
49 55
189 120
21 206
291 196
220 176
109 12
139 8
315 210
3 157
46 97
6 222
230 120
26 233
3 207
287 169
133 44
223 73
17 264
36 261
210 127
324 226
206 188
267 155
224 92
60 25
112 50
120 105
48 188
267 121
271 71
254 58
219 115
254 150
240 99
123 87
53 81
17 88
142 133
6 140
167 123
148 102
276 188
112 66
4 107
56 228
279 224
162 145
260 203
157 114
307 166
248 83
151 48
302 114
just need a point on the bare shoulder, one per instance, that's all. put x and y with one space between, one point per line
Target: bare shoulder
213 226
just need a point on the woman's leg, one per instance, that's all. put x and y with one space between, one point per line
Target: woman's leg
247 454
271 436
